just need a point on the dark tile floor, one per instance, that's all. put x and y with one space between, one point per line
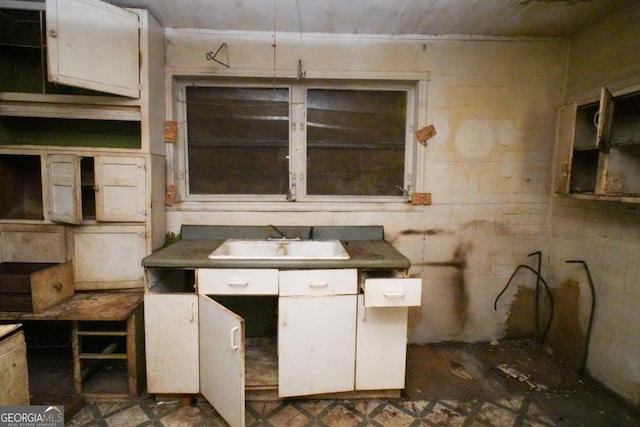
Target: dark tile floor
509 384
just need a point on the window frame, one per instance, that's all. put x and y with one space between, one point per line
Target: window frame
297 139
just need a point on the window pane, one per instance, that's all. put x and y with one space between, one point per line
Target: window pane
355 142
238 140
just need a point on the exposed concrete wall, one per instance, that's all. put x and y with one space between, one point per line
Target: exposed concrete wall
493 104
605 235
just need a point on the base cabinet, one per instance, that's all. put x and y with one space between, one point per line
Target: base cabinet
171 340
381 347
222 356
316 344
322 337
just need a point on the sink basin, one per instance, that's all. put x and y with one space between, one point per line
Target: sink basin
280 249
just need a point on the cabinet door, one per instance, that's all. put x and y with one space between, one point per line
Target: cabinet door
63 181
120 189
171 340
13 371
222 352
381 347
93 45
316 344
565 136
108 256
605 118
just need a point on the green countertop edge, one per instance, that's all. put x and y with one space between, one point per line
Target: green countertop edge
192 253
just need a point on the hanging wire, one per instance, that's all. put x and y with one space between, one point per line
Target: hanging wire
274 43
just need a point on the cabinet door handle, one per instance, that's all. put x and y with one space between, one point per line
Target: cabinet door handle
234 346
318 284
238 284
393 294
284 315
191 315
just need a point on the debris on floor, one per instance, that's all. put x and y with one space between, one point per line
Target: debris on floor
511 372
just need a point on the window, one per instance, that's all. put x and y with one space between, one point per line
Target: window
238 140
304 141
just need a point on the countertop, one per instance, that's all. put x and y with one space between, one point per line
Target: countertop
193 253
86 306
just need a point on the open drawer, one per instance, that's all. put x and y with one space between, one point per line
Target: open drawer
389 288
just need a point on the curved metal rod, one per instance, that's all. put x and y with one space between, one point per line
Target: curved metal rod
546 329
537 296
583 366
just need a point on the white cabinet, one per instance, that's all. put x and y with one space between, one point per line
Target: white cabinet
598 148
119 185
316 344
222 357
93 162
171 321
381 347
234 281
108 257
316 316
87 44
94 45
327 340
171 340
382 329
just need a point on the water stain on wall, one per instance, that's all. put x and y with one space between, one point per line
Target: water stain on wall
521 319
447 301
427 232
566 336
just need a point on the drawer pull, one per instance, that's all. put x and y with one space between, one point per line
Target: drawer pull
318 284
234 346
238 284
393 294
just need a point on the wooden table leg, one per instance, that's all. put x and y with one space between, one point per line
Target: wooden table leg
75 348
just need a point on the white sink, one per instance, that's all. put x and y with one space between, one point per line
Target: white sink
280 249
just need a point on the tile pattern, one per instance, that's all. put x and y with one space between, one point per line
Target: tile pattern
435 395
515 411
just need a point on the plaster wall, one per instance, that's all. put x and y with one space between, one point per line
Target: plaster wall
605 235
492 102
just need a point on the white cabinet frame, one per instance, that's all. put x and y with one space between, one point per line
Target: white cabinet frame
591 161
63 173
94 45
120 188
172 318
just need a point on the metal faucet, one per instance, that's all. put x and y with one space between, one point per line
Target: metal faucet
277 230
282 235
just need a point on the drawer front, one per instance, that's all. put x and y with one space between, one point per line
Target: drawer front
392 292
318 282
234 281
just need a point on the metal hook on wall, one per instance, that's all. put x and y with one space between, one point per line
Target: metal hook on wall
221 56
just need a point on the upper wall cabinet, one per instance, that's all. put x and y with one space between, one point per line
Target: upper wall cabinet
86 44
93 45
598 149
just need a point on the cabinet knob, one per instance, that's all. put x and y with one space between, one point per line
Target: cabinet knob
53 33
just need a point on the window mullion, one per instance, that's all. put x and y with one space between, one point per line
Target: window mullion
297 164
